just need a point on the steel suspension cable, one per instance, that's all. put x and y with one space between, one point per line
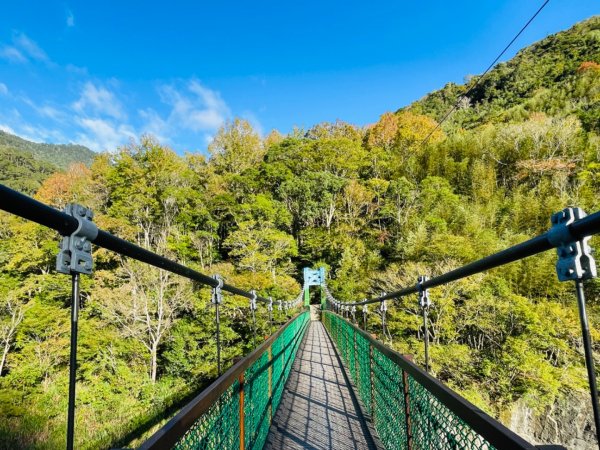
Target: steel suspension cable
579 229
28 208
481 77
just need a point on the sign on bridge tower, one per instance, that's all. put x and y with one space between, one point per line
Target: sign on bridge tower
314 277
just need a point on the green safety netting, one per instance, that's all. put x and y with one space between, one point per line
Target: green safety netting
385 388
220 427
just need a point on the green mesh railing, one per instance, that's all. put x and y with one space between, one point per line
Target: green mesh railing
235 412
409 408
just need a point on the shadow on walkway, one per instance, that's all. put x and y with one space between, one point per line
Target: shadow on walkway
318 410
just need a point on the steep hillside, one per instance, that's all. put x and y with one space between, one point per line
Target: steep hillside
61 155
559 75
21 171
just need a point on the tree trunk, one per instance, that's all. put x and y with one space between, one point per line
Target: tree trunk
153 352
4 355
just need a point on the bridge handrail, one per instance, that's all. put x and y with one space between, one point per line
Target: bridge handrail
28 208
33 210
578 230
480 422
177 427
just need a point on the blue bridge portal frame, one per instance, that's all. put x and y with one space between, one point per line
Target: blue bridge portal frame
314 277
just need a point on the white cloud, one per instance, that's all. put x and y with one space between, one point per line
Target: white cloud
6 129
102 134
40 134
70 18
50 112
154 125
11 54
35 133
198 109
97 118
30 48
23 49
45 110
72 68
99 100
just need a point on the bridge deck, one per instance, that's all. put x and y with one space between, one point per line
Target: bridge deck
318 410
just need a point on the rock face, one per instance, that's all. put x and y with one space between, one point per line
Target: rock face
568 422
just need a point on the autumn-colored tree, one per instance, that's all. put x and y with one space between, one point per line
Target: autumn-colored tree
66 187
383 133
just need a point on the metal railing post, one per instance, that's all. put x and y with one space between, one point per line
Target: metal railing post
576 263
74 258
383 311
406 393
73 360
270 309
270 383
253 311
424 304
372 377
217 299
280 308
356 365
365 312
589 355
242 417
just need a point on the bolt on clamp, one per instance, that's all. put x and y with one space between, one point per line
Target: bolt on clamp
424 301
217 293
75 250
575 260
383 306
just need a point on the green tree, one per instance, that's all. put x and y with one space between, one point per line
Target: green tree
236 147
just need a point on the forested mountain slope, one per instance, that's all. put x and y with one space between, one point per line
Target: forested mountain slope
372 205
60 155
544 77
21 171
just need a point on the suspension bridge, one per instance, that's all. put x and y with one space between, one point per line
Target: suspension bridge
322 381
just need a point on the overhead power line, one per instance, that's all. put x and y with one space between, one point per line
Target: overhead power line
478 82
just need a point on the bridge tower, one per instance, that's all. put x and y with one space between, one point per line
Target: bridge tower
314 277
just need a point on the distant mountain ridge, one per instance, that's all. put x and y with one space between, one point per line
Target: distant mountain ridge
21 171
59 155
558 75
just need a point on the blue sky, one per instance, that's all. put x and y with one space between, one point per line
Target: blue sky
101 73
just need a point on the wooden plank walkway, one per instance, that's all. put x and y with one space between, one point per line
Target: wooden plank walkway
318 409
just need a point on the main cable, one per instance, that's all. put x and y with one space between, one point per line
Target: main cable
478 82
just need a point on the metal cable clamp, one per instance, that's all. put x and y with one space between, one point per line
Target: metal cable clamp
424 300
75 254
217 293
575 260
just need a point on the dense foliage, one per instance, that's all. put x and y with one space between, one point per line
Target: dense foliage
373 206
557 76
59 155
21 171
